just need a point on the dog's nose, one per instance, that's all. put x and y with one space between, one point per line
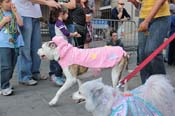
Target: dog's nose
42 56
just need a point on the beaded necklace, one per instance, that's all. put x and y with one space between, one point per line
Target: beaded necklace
11 29
10 26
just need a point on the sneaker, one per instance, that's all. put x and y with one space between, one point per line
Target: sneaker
63 79
38 76
6 92
11 87
57 80
30 82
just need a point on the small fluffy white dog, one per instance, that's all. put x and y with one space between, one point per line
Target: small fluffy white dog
75 61
154 98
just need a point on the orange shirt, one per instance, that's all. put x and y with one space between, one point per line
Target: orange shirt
147 5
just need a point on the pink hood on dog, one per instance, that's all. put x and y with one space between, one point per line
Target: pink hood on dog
101 57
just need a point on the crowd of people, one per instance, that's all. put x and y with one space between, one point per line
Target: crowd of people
21 38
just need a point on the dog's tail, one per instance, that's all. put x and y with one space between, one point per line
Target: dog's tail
160 93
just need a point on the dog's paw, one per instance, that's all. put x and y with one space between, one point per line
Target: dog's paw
53 102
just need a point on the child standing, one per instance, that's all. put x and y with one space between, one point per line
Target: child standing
10 41
59 15
57 27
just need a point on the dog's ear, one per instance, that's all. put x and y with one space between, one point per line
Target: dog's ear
97 90
52 45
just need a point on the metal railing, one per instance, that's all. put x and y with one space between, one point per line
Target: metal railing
126 31
101 31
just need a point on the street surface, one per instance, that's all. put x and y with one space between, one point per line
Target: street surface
33 100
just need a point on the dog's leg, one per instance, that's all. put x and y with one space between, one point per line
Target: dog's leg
117 72
115 75
70 80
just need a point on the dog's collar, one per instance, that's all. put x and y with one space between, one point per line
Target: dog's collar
127 94
124 94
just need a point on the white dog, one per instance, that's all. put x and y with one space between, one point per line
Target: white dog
74 61
154 98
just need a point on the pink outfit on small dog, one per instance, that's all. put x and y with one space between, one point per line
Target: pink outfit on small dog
101 57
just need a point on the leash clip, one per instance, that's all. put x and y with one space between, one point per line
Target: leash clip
119 85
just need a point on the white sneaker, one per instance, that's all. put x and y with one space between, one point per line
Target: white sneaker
30 82
6 92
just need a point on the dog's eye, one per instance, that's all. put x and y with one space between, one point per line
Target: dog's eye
52 45
79 92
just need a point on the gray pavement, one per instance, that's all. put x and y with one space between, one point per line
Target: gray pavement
33 100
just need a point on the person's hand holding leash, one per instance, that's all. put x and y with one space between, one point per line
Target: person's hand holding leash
143 27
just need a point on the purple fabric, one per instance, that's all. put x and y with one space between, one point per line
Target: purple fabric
62 28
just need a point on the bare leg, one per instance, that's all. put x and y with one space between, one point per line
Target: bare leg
70 80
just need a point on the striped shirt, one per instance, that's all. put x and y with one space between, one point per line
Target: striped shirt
61 29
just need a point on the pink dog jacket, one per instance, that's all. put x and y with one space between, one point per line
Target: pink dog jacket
101 57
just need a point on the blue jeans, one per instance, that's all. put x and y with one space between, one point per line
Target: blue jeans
29 61
71 29
8 59
158 30
55 68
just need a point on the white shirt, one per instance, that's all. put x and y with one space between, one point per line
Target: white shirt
91 4
58 32
27 8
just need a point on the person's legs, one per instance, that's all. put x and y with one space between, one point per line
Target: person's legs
88 35
35 45
56 72
7 64
25 59
52 62
171 53
55 68
142 38
157 32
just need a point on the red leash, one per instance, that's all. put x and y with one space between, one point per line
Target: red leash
146 61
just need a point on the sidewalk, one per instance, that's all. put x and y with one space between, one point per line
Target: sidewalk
33 100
